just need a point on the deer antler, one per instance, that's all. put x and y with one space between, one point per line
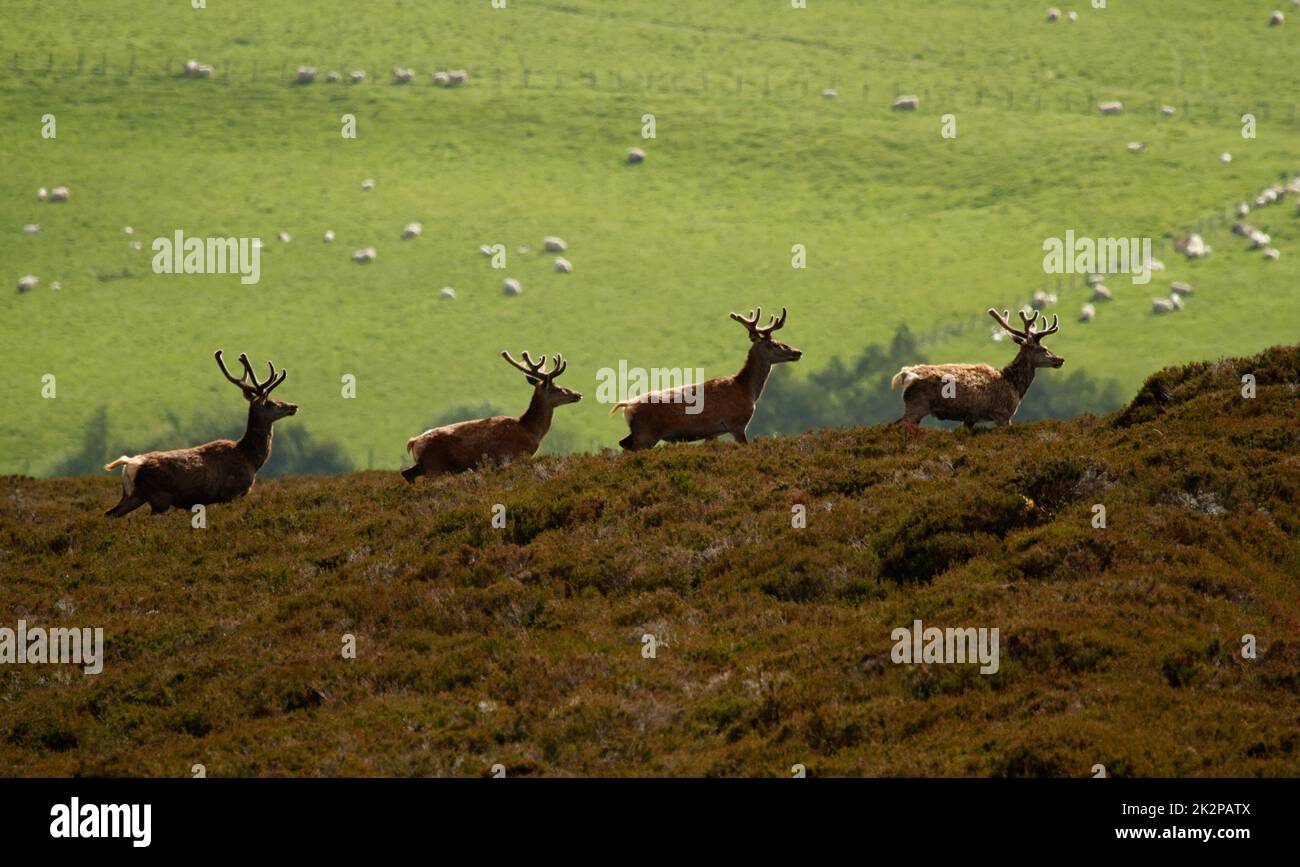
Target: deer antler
1002 320
248 371
1045 330
248 382
241 382
751 322
773 324
533 369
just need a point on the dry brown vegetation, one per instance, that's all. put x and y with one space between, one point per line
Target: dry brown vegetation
522 645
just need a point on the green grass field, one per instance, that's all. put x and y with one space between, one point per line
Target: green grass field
900 224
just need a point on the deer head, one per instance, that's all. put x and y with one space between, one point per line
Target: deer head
1029 340
543 382
261 407
770 350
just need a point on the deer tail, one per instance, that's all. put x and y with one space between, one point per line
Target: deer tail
904 376
117 463
410 445
620 405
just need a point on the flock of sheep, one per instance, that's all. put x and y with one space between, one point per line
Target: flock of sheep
308 74
1192 246
1276 19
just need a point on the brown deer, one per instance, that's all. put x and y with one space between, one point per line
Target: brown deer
462 446
216 472
977 392
725 404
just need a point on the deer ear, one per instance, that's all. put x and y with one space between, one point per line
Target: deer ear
1020 341
532 380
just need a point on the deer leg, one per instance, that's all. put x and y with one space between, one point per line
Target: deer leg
125 506
912 414
738 433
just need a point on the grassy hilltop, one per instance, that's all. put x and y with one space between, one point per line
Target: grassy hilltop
900 225
522 645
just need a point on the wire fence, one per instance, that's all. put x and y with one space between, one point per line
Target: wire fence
1062 97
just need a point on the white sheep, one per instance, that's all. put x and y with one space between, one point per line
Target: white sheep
830 93
635 155
1087 312
447 293
1113 107
441 79
1258 239
306 74
28 282
910 102
191 67
365 254
1053 15
1168 110
412 230
457 77
1162 305
31 228
1243 209
1193 247
402 76
329 236
368 184
485 250
1072 16
563 266
510 286
551 244
59 194
1136 147
42 194
1100 292
1225 157
205 71
1277 19
1272 254
283 236
357 76
1179 288
332 76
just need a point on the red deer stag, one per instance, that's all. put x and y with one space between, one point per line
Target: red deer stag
973 393
217 472
458 447
725 404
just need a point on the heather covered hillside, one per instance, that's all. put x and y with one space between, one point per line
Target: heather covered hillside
523 645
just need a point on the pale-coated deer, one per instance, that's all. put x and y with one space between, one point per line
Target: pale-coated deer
725 404
462 446
972 393
216 472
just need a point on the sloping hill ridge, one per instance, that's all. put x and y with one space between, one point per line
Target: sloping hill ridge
523 645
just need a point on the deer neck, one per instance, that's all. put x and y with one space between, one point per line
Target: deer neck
1020 372
537 418
753 376
256 441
